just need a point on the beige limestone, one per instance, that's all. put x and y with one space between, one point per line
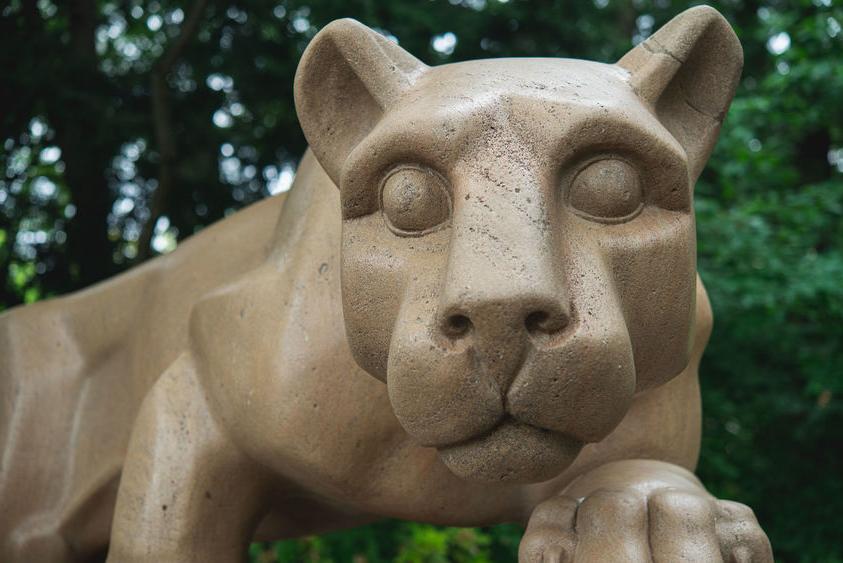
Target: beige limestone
495 318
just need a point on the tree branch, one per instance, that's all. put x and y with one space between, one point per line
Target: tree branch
162 123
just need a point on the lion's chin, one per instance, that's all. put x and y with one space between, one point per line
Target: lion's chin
512 452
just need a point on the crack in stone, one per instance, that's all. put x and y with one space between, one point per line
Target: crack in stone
652 45
687 99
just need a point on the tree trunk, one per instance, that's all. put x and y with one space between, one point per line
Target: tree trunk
81 131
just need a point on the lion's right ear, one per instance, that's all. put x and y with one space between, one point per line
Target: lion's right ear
687 72
348 77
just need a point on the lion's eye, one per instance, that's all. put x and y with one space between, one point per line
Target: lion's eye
415 200
606 190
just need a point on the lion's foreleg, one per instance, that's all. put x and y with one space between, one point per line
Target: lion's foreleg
187 493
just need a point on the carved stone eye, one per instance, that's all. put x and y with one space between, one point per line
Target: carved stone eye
414 200
606 190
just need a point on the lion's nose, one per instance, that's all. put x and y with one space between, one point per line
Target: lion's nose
533 316
498 331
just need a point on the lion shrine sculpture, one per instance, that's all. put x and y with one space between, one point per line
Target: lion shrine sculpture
495 318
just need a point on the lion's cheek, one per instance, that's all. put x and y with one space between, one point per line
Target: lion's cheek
381 275
369 318
654 271
373 281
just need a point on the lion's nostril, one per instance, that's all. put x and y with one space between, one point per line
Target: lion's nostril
544 323
536 320
457 325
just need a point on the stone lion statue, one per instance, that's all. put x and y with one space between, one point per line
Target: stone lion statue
477 304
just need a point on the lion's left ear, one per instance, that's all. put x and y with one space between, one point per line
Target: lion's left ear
687 72
348 77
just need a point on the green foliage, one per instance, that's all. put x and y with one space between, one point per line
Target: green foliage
399 542
770 220
82 157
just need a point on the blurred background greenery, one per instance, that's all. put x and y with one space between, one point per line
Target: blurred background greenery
128 125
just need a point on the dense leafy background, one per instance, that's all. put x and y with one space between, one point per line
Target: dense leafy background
127 121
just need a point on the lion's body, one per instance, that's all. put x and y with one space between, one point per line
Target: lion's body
61 469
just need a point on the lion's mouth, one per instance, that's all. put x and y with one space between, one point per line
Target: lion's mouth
511 451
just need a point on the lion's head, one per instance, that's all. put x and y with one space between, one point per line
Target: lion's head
518 248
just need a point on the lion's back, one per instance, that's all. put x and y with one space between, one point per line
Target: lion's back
74 372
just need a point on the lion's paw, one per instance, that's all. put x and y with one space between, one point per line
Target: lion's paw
668 525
